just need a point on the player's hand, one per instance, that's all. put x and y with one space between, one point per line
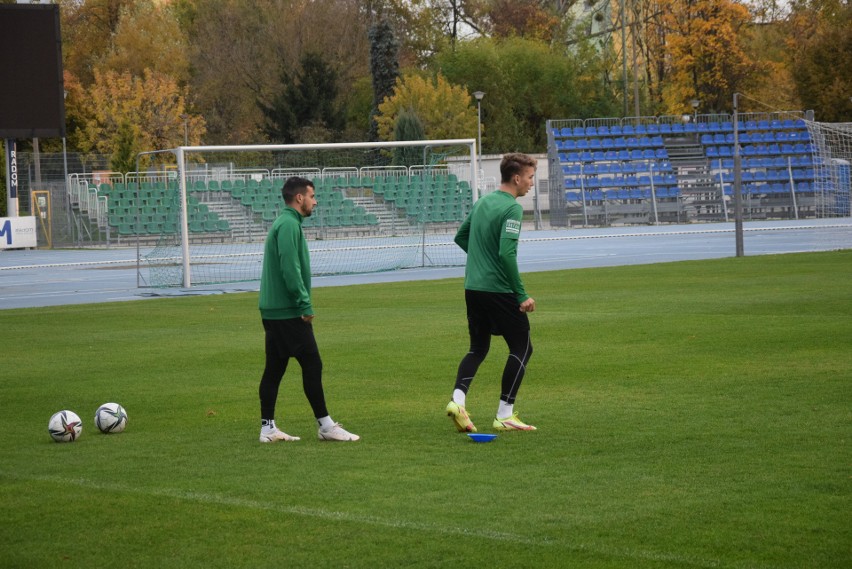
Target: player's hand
528 305
307 318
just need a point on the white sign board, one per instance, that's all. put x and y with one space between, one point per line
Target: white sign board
18 232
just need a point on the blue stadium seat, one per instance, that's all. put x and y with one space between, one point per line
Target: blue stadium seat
652 129
578 131
603 130
677 128
665 128
707 139
615 129
628 130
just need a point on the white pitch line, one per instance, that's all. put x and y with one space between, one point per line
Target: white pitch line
493 535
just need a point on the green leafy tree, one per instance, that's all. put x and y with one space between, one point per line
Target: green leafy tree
527 82
308 99
821 49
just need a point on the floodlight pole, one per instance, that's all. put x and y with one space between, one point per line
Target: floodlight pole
738 202
479 96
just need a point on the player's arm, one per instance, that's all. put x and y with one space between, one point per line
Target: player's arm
509 254
289 242
463 234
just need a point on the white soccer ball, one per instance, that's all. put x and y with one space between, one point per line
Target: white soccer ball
111 418
65 426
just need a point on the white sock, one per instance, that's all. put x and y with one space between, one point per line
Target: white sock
505 410
459 397
267 425
325 423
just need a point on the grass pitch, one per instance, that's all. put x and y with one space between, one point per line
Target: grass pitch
691 414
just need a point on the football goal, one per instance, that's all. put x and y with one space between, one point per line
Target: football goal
832 143
201 213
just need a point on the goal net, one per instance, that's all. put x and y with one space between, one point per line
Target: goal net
202 214
832 150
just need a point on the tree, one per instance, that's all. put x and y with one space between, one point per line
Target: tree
705 54
238 47
148 37
308 99
523 18
445 110
123 157
408 127
821 46
527 82
148 109
384 68
88 28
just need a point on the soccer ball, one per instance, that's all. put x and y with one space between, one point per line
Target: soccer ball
65 426
111 418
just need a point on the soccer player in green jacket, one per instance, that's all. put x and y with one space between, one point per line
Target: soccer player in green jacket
287 314
497 303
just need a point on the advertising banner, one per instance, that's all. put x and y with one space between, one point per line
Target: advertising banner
18 232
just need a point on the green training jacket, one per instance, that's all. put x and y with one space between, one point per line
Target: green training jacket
489 236
285 281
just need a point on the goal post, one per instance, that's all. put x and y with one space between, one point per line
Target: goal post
381 206
832 157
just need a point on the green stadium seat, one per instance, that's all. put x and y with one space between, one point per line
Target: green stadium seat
222 225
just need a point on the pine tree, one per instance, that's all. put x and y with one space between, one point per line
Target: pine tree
384 67
408 126
308 100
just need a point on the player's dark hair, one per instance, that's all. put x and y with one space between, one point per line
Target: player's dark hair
515 163
294 186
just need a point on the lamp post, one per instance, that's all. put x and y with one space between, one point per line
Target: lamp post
695 103
479 95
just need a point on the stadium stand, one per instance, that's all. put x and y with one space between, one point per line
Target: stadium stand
680 169
243 205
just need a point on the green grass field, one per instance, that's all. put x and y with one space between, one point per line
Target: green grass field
692 414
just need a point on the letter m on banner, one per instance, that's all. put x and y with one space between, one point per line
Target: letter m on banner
6 231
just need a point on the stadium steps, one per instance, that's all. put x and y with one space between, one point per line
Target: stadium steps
698 187
235 214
